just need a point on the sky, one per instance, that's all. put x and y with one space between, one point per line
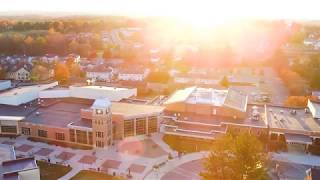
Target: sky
211 10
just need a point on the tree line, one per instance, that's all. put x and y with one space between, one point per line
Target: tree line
52 42
67 25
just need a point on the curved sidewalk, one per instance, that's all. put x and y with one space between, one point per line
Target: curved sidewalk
172 164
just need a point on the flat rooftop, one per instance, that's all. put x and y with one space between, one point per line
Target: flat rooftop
216 120
18 165
106 88
194 95
208 96
22 110
23 89
6 153
281 118
59 114
127 109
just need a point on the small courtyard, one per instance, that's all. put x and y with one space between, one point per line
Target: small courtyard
136 156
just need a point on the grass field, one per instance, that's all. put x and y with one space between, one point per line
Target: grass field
86 174
52 171
185 144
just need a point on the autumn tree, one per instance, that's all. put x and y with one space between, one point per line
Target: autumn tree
235 157
225 82
298 101
106 54
3 73
61 73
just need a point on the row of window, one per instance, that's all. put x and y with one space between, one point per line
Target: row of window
99 134
43 133
141 127
80 136
9 129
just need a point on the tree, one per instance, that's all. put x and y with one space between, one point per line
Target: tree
61 73
75 70
298 101
106 54
38 73
3 73
235 157
159 77
224 82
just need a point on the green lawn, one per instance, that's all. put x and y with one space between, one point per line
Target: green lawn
52 171
186 144
86 174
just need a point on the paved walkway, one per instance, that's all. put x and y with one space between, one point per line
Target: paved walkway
172 164
101 156
303 159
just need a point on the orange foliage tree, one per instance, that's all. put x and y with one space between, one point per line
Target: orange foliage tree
298 101
61 73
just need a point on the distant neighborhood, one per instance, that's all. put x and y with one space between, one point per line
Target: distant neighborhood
109 98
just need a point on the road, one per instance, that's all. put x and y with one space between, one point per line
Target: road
276 85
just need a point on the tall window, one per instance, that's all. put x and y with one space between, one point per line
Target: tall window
42 133
72 135
25 131
99 144
152 124
128 127
81 136
99 134
141 126
60 136
90 138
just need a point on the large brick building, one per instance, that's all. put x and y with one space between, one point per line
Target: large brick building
207 113
81 121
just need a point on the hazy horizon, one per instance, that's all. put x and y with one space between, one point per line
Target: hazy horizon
217 11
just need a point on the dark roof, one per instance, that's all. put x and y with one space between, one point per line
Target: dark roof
16 67
17 165
7 110
59 114
83 123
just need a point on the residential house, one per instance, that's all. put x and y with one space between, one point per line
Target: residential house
49 58
100 73
75 57
19 73
133 74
